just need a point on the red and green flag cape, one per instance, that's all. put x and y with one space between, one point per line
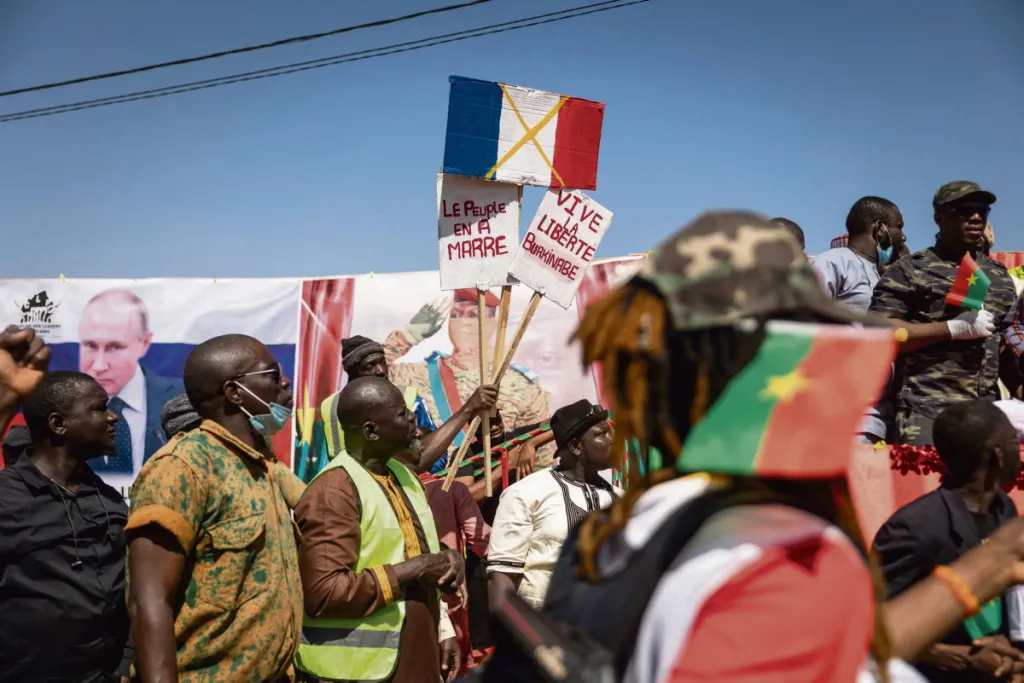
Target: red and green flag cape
969 286
793 411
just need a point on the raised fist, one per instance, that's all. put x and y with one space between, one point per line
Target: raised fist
23 360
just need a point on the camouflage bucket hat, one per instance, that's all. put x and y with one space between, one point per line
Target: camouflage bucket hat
730 265
961 189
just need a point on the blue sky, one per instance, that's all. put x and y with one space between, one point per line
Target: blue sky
789 108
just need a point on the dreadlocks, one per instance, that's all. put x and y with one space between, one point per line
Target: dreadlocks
660 383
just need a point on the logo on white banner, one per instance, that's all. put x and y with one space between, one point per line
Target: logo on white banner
38 312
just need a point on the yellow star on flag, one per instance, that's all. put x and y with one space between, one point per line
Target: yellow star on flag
972 280
785 387
306 416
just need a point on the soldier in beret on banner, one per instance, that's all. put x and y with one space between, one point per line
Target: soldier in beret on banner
446 381
362 357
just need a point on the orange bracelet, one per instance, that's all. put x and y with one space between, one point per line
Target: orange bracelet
959 587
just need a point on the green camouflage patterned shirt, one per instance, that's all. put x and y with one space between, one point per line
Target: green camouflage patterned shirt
239 615
914 290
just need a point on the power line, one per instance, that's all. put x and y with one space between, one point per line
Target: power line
527 22
241 50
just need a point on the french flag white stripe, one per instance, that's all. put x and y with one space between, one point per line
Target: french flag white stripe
533 105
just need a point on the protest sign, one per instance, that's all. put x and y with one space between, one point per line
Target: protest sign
477 231
560 245
521 135
552 260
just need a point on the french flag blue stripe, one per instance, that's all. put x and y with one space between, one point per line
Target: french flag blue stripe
474 118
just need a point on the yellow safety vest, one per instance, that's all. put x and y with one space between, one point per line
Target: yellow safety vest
366 649
333 436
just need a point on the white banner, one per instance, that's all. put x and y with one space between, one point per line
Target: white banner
477 231
181 311
560 245
133 337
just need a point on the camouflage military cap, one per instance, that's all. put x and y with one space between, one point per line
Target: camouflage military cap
961 189
730 265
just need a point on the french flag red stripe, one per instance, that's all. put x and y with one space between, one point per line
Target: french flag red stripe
577 144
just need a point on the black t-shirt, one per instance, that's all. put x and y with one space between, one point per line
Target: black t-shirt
985 523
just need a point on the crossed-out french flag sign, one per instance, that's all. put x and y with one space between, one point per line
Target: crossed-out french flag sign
523 136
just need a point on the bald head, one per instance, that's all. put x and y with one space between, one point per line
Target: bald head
375 420
361 398
217 361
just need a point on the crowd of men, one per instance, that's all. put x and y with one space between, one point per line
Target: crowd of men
222 586
227 567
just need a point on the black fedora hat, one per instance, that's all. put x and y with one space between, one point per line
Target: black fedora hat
571 421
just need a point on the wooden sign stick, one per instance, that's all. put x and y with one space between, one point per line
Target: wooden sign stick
531 308
456 462
481 306
503 308
499 341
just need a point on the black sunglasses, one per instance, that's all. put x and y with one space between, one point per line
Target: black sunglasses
967 210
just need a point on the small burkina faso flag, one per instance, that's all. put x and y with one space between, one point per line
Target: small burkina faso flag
969 286
792 412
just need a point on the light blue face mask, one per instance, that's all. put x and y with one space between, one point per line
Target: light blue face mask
884 255
270 423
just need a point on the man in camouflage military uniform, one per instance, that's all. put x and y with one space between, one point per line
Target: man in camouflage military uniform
948 354
445 382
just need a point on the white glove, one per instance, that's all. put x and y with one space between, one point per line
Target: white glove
428 320
972 325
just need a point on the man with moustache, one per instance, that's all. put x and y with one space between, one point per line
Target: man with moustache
446 381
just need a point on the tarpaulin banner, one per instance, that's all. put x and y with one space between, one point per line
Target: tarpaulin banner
133 336
430 338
